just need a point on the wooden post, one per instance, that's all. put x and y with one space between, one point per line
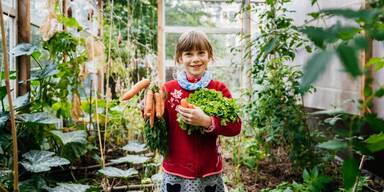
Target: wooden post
246 75
160 40
23 63
15 159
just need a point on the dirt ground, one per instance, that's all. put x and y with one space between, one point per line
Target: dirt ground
271 173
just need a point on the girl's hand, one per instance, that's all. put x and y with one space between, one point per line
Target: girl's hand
194 116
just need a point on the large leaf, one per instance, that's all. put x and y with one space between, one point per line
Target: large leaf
34 184
3 119
350 170
348 56
68 187
333 145
73 151
21 101
41 118
375 142
40 161
69 137
116 172
318 35
23 49
315 66
47 71
5 173
364 15
134 146
5 143
134 159
3 92
374 122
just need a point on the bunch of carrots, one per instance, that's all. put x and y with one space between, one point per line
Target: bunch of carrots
156 138
154 100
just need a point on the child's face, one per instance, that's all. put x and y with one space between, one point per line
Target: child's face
195 62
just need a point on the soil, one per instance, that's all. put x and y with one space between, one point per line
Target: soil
272 172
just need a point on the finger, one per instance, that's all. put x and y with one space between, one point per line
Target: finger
185 113
186 119
185 110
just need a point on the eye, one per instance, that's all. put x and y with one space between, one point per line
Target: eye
202 52
187 53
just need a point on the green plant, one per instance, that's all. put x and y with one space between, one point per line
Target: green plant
275 110
344 41
312 182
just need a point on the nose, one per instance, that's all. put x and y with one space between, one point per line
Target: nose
195 58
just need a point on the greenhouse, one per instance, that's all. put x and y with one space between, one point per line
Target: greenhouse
192 95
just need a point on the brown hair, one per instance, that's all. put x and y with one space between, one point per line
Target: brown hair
193 40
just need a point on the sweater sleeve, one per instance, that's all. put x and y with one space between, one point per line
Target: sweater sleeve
231 129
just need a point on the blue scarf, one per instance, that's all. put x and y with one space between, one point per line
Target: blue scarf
185 84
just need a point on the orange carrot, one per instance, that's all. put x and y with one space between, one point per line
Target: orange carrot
136 89
148 109
158 105
152 117
184 103
191 106
161 102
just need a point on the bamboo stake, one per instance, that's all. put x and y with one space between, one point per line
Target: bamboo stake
11 112
107 73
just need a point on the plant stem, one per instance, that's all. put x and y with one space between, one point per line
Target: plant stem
37 61
358 176
11 112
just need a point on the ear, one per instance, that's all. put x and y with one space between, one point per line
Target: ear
179 60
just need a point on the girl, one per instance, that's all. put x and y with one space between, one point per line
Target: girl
194 162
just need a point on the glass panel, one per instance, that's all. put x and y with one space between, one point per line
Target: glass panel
39 11
9 3
221 43
201 13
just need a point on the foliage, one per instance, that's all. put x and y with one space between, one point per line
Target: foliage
157 137
134 159
345 41
136 20
34 184
313 182
275 110
213 103
134 36
72 145
41 161
133 146
124 118
116 172
68 187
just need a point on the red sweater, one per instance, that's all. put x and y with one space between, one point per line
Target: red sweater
195 155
